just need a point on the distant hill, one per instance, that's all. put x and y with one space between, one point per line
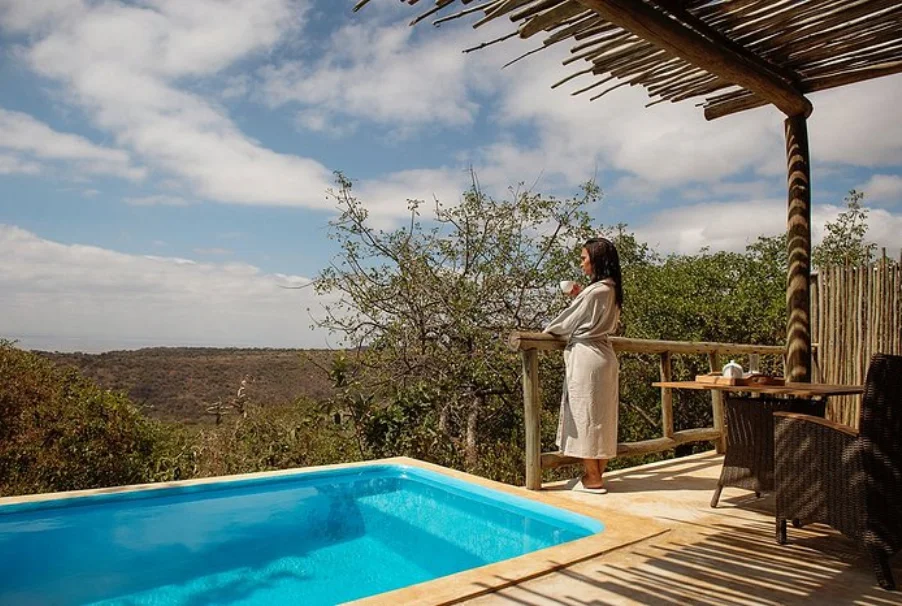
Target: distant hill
178 383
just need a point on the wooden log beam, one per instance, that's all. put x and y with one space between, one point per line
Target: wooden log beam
522 341
659 29
550 460
812 85
798 296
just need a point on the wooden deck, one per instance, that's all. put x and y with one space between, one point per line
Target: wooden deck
723 556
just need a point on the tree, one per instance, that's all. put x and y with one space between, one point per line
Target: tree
429 306
844 242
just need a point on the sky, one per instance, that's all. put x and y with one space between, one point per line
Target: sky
164 165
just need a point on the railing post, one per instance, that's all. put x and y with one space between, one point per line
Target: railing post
531 417
720 445
666 396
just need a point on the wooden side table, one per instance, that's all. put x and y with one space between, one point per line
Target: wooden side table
749 424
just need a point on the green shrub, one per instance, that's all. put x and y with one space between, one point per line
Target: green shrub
59 431
273 437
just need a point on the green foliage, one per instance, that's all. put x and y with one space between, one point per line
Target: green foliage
59 431
844 242
721 296
273 437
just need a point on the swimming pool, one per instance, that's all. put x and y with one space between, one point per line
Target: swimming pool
316 537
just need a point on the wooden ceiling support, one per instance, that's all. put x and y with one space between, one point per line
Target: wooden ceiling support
815 84
651 25
798 240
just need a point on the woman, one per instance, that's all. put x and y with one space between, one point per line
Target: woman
591 401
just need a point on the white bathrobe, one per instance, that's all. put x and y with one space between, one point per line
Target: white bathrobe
591 398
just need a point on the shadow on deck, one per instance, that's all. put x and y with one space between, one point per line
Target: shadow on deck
723 556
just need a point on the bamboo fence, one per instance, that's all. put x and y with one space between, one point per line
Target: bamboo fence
855 313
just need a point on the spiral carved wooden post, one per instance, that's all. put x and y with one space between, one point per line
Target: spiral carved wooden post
798 297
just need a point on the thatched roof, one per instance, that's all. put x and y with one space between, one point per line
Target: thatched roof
735 54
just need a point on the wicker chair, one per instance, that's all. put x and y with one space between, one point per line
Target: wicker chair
827 472
749 459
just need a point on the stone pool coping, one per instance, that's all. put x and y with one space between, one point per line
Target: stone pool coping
621 530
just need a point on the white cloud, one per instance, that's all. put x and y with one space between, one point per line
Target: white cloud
668 145
23 16
129 67
721 226
125 66
883 188
665 145
22 133
638 189
733 225
851 125
884 228
385 74
320 121
236 87
385 198
157 200
10 165
80 295
744 190
398 77
506 164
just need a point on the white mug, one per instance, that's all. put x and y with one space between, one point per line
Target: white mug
567 286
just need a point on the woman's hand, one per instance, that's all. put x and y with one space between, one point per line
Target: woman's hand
577 288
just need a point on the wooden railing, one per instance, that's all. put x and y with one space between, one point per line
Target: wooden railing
530 344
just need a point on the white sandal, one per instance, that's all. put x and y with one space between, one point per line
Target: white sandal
577 485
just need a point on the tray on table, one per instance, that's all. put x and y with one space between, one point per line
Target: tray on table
755 379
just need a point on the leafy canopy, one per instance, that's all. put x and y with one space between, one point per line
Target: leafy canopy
845 243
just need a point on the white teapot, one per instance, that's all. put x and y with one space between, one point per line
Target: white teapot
732 370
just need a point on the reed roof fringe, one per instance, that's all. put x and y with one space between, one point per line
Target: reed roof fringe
734 54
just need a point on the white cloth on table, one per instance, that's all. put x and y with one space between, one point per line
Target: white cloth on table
591 396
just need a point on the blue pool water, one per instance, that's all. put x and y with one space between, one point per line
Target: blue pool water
311 538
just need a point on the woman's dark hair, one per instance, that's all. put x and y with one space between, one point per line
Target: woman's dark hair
605 264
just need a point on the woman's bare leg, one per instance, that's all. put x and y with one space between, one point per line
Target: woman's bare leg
594 468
